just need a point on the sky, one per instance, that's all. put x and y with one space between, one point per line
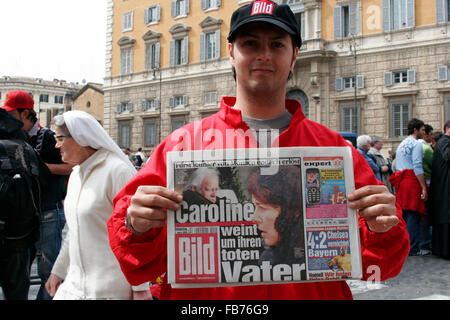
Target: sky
53 39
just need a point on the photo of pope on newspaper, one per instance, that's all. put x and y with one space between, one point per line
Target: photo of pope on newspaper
269 234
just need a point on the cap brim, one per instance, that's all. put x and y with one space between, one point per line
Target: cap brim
272 21
7 108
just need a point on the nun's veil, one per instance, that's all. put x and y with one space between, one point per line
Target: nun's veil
88 132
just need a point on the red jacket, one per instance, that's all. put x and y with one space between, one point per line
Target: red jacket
408 191
144 258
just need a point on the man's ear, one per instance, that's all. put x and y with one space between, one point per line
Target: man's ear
230 52
294 58
193 188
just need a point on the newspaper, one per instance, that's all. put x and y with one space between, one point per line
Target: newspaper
259 216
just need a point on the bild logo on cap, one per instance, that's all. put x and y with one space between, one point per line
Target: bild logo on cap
262 7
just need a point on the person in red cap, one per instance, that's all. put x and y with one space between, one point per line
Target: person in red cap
264 42
20 104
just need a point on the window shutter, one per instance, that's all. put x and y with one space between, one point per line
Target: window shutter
172 101
186 7
443 73
359 82
156 103
119 108
172 53
144 105
158 12
217 45
174 9
218 3
337 22
185 50
157 54
396 121
387 15
353 18
146 15
339 84
388 79
204 5
411 13
185 100
441 11
411 76
202 47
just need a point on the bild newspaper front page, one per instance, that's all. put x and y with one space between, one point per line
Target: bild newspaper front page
253 216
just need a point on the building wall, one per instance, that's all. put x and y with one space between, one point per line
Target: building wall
323 58
92 102
35 86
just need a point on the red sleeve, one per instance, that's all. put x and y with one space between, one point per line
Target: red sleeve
141 258
383 254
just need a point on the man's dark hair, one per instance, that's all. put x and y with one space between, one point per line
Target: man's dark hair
428 128
446 125
31 114
414 124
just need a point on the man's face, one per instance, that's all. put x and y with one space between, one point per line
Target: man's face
378 145
421 132
262 56
209 187
428 137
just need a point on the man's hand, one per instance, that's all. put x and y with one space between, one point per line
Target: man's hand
149 205
376 205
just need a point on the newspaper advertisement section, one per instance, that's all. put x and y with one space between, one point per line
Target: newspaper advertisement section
255 218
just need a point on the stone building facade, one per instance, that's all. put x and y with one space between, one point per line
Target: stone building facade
365 66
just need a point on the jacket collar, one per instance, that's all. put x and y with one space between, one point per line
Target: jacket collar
90 163
233 116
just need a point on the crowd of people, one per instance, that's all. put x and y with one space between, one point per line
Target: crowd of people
417 173
116 242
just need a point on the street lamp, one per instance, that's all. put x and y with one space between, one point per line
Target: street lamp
352 52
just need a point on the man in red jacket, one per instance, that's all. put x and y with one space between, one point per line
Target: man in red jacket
264 41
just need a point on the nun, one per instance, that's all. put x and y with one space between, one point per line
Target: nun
86 267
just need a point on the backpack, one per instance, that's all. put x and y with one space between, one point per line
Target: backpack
19 192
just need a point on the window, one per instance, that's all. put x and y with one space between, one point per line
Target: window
59 99
179 46
152 55
180 8
210 45
88 104
211 97
345 21
444 73
349 83
152 14
400 117
150 104
127 21
150 132
43 98
124 107
126 60
349 119
124 134
400 77
210 4
178 122
179 51
398 14
178 101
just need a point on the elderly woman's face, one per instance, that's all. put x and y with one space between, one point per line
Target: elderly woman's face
265 216
71 152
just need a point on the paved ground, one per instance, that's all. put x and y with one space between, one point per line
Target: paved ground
424 278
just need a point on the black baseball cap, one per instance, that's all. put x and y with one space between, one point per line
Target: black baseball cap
279 15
